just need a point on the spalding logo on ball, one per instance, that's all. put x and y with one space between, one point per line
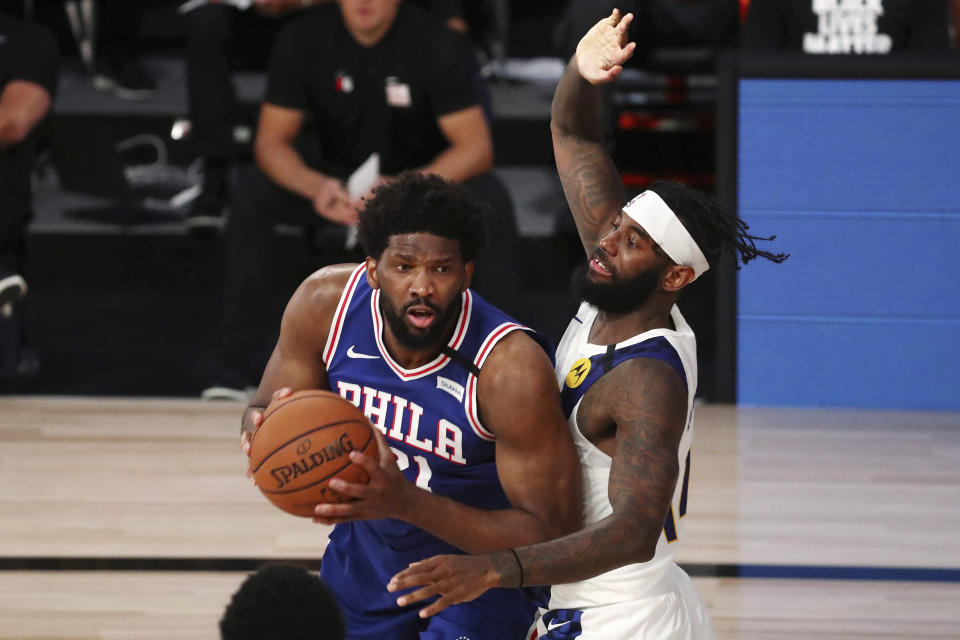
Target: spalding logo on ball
305 441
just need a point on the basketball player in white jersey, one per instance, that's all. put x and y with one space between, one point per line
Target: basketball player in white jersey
627 370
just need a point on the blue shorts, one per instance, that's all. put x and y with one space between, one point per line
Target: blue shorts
359 581
459 622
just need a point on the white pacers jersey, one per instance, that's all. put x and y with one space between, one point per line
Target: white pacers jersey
611 605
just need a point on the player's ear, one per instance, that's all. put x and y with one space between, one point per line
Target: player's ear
676 277
468 275
371 266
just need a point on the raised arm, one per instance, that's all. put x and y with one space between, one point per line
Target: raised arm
590 181
646 401
536 462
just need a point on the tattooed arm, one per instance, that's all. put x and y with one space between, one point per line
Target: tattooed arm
591 183
642 403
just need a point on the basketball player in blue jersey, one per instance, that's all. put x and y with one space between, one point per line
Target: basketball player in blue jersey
627 370
474 451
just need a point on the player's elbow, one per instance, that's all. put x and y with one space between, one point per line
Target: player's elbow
637 538
481 151
262 152
645 550
13 131
561 514
642 546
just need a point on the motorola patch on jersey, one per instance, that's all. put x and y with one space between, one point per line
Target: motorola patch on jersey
578 372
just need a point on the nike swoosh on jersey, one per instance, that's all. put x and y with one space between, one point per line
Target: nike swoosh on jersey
556 625
362 356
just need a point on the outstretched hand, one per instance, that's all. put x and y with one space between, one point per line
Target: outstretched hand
455 579
603 50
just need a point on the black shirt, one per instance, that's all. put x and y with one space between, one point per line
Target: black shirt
385 98
27 52
847 26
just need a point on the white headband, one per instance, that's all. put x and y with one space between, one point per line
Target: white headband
660 222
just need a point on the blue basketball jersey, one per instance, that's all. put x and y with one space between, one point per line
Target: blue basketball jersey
430 419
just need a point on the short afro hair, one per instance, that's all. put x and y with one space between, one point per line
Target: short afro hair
421 203
283 602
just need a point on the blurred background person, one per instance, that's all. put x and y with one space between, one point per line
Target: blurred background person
221 38
282 602
117 66
359 77
28 79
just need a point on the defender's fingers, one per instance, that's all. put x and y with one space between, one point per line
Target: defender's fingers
427 591
414 575
436 607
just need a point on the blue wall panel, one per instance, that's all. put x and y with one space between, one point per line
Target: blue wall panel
860 180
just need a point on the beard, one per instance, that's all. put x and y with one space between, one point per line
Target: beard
618 296
416 340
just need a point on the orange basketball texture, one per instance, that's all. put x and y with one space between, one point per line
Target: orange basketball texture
304 441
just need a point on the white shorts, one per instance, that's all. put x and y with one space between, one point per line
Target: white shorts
677 613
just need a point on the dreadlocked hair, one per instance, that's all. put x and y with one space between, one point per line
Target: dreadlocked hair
714 230
420 203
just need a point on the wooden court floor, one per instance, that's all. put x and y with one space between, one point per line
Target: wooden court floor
132 519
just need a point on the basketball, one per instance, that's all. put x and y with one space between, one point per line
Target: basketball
304 441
